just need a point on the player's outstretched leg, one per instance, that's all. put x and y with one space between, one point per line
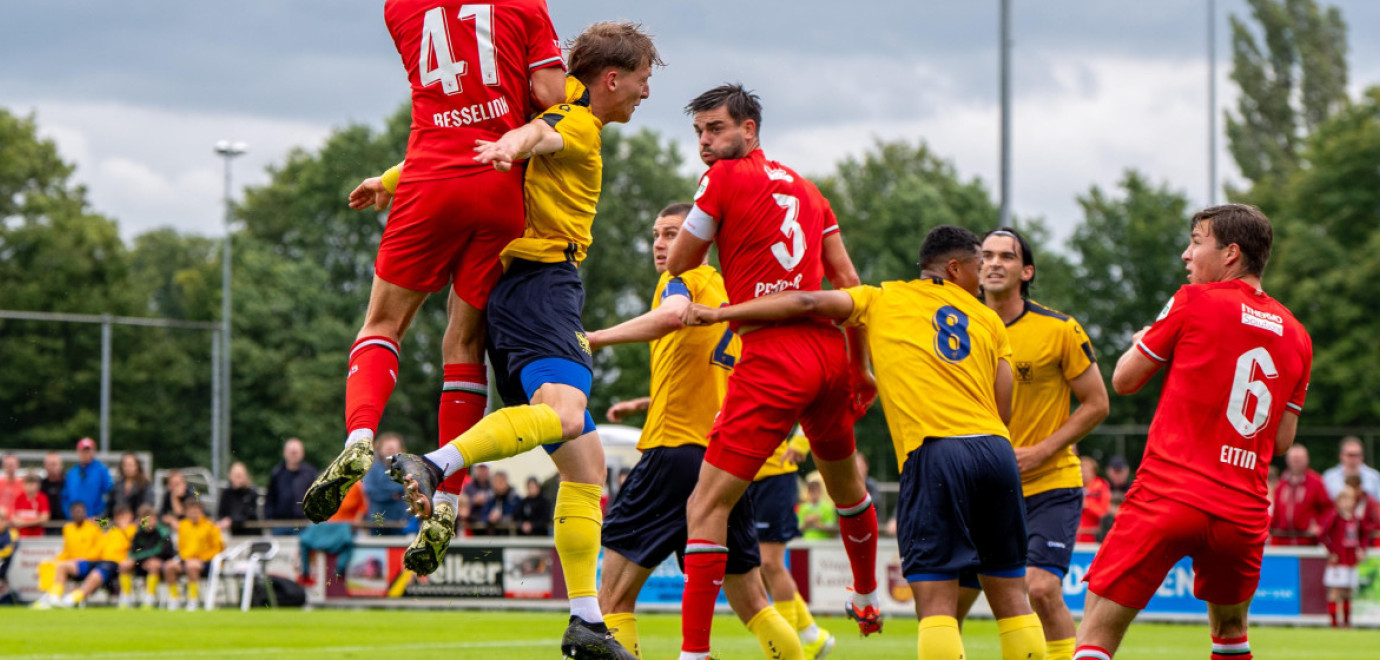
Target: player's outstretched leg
420 477
323 498
858 529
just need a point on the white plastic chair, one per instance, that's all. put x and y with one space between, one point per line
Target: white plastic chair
248 562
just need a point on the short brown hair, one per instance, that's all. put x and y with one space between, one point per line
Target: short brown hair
611 44
1243 225
678 208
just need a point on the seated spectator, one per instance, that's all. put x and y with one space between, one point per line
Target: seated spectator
1097 500
9 542
52 486
818 518
81 541
198 542
502 504
133 488
533 515
176 496
478 489
1352 462
149 550
287 483
1119 477
112 551
10 484
336 536
30 510
87 482
239 504
386 503
1300 501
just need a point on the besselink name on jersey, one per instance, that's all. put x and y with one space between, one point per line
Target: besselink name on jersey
472 114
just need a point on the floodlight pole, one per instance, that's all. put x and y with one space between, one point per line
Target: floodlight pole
1006 113
1212 102
227 150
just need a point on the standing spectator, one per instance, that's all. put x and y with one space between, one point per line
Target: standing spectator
533 515
386 504
88 481
9 542
287 483
198 542
502 504
31 509
52 486
1300 502
151 547
176 496
238 504
1097 501
1119 475
132 488
1344 534
1352 462
479 490
818 518
10 483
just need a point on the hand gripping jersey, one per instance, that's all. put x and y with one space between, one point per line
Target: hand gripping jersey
771 225
1237 361
468 65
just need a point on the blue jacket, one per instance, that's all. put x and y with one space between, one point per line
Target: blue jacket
88 485
385 495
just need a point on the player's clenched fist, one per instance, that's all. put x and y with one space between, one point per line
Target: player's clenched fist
370 193
697 314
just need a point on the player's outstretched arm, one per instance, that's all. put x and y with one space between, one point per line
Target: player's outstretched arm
1133 369
838 267
620 411
537 137
688 250
833 305
651 326
1093 406
376 191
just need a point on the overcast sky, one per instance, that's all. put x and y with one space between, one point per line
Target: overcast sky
136 93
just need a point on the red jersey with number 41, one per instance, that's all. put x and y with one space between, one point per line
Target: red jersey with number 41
468 65
771 226
1238 360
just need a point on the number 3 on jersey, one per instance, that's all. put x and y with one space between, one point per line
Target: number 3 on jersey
790 257
436 47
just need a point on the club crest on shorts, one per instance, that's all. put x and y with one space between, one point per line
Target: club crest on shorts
584 343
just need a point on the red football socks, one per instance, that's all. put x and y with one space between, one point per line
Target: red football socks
858 526
1089 652
705 562
369 382
1231 648
464 397
1332 612
1346 612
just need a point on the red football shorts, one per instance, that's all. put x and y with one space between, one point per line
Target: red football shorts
787 373
452 231
1152 533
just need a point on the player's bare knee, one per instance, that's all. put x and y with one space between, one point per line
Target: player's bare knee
1046 591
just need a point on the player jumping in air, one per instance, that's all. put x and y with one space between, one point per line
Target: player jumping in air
942 360
536 340
1052 357
774 231
647 524
1238 373
469 66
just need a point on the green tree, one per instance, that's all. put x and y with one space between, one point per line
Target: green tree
1126 252
1291 80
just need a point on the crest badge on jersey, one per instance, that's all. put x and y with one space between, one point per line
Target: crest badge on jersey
1025 372
704 185
1165 312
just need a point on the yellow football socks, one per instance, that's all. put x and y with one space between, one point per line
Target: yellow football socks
509 432
939 639
1059 649
578 521
787 608
193 591
47 571
78 596
1022 638
126 584
803 619
777 638
624 628
173 592
151 585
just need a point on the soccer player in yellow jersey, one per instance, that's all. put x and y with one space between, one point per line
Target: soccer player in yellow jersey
198 542
81 543
647 523
1051 358
942 360
536 341
112 549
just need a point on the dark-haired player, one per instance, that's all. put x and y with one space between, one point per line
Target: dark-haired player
775 232
942 361
1051 358
1238 373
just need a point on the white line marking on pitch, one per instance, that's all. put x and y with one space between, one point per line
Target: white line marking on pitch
182 653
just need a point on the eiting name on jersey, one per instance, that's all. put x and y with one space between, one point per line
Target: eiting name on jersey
472 114
1263 320
1242 458
766 288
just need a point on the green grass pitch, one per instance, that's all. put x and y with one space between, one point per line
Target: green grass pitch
412 635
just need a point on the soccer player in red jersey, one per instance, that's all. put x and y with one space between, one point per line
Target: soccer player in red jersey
469 66
1238 373
775 232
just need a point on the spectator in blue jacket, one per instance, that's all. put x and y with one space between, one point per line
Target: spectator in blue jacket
287 483
88 481
385 496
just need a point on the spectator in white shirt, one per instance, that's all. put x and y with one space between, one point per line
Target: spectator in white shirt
1353 462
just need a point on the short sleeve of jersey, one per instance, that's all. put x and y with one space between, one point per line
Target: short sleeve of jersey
1078 351
1158 343
712 195
1002 341
831 221
1296 398
863 297
543 46
676 286
577 127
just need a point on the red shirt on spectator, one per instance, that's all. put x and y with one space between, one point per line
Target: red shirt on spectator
10 490
1343 537
1097 500
1298 506
26 509
1368 511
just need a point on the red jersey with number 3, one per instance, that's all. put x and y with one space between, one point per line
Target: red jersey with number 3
469 68
771 226
1238 360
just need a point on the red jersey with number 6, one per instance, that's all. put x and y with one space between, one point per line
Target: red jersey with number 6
468 65
1238 360
771 226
